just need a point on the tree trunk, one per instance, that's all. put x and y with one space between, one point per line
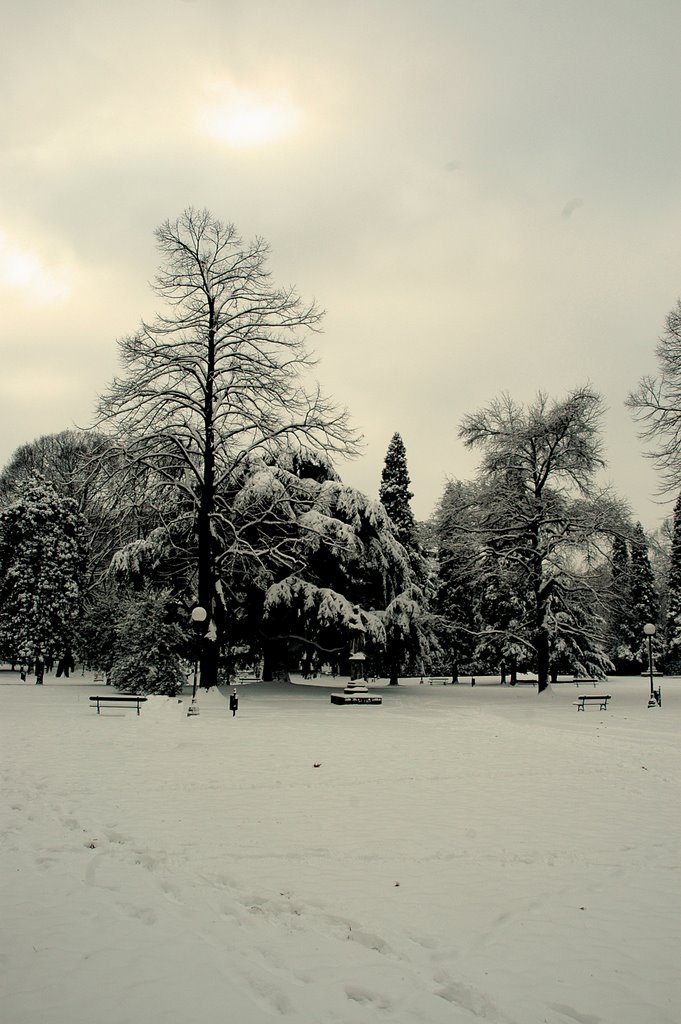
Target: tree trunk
542 648
39 672
274 667
542 597
208 665
210 644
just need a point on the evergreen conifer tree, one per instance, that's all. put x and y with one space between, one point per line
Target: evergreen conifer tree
643 596
41 569
624 634
394 491
673 622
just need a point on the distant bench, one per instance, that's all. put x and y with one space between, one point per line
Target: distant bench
592 698
129 699
437 680
584 679
241 679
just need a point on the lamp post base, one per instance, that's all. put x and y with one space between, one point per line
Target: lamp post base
193 709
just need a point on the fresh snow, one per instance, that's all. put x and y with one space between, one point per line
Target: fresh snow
458 854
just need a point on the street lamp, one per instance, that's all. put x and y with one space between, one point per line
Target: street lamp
198 618
655 699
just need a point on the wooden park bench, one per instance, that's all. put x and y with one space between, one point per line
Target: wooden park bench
584 679
437 680
592 698
129 699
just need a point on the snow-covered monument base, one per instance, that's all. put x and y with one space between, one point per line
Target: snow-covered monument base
355 693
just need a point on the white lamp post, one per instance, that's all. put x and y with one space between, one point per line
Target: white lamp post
198 618
655 699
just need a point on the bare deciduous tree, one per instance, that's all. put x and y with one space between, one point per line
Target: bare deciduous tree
538 507
657 405
221 376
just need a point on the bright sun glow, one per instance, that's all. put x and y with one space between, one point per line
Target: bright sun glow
244 119
22 271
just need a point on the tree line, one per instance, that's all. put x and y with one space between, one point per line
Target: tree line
209 478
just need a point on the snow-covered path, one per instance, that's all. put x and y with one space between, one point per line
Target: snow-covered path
459 854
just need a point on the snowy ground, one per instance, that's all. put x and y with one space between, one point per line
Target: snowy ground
459 855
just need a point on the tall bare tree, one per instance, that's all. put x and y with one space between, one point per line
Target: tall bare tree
539 507
221 376
657 404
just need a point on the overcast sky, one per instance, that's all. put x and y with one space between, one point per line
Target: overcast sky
483 195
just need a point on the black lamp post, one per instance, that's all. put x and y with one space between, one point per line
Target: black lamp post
655 699
198 618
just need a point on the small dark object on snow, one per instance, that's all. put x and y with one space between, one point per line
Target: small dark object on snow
472 680
233 703
317 764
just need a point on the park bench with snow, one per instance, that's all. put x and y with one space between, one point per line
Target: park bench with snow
437 680
129 699
592 698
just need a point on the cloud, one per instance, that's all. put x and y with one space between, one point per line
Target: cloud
22 271
244 118
413 173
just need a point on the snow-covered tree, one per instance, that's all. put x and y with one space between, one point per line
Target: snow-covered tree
147 651
68 461
624 634
394 491
308 551
539 507
457 592
407 629
673 618
217 379
64 459
643 597
351 570
41 573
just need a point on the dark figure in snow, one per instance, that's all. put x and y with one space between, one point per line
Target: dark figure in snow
65 665
233 703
